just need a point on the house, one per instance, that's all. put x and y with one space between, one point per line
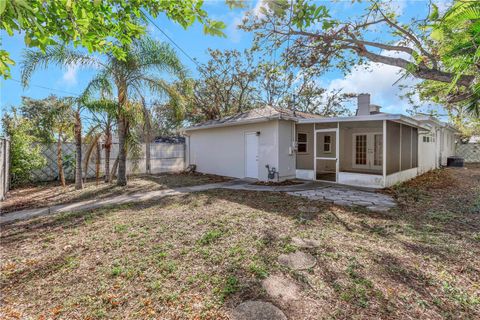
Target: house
370 149
435 144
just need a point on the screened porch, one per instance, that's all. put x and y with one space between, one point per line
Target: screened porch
366 153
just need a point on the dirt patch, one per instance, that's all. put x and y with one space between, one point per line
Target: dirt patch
200 255
51 193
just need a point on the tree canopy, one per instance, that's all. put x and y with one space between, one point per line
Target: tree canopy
98 25
320 40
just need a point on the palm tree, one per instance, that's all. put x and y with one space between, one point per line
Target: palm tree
145 60
103 114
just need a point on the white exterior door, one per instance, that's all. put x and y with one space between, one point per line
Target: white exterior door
367 151
251 155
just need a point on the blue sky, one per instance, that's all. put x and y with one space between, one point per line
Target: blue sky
379 82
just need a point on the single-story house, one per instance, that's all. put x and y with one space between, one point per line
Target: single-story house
370 149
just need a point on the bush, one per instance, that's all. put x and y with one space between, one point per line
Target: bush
25 156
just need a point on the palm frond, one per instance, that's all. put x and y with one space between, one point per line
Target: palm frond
101 84
158 56
57 55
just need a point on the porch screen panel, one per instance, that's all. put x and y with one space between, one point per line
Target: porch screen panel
378 150
414 147
326 144
406 147
393 147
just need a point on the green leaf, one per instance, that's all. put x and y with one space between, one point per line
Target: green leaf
3 5
434 14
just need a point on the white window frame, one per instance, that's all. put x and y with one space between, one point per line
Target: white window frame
327 143
370 156
305 143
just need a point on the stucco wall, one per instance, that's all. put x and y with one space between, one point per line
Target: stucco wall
393 147
427 158
221 151
286 156
448 149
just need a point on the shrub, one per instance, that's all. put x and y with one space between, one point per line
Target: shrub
25 156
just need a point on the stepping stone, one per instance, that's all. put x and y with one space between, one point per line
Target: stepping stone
257 310
305 243
342 203
378 209
308 209
297 260
282 288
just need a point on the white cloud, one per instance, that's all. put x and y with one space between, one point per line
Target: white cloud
442 5
70 75
397 6
380 81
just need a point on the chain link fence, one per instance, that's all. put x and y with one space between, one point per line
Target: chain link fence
164 157
4 167
469 151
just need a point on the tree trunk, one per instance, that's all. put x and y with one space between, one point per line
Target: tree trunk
122 135
147 142
114 169
78 154
61 175
122 152
108 147
97 163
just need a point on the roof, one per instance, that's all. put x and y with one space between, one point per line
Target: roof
271 113
400 118
254 115
424 118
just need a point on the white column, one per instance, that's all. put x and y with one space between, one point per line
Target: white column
337 151
314 153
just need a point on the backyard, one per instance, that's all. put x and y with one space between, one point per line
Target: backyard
51 193
197 256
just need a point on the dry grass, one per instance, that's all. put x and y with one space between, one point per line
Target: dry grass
196 256
52 193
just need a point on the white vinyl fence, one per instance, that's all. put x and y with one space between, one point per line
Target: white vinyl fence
164 157
4 167
469 151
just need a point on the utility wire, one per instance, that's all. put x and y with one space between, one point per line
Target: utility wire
48 88
169 38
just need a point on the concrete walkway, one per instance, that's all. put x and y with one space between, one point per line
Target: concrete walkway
339 195
95 203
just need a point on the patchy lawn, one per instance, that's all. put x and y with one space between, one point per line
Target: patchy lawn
196 256
52 193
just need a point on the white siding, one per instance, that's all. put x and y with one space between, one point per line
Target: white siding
286 156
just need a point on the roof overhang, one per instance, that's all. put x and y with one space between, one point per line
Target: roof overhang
230 124
374 117
241 122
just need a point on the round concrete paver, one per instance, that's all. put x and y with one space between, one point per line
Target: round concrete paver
305 243
280 287
297 260
257 310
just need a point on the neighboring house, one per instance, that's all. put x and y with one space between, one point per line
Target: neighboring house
370 149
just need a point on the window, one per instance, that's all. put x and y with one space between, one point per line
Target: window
301 142
327 144
361 150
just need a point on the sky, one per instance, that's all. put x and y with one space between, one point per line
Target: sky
377 79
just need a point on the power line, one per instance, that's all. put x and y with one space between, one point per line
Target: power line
170 39
48 88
